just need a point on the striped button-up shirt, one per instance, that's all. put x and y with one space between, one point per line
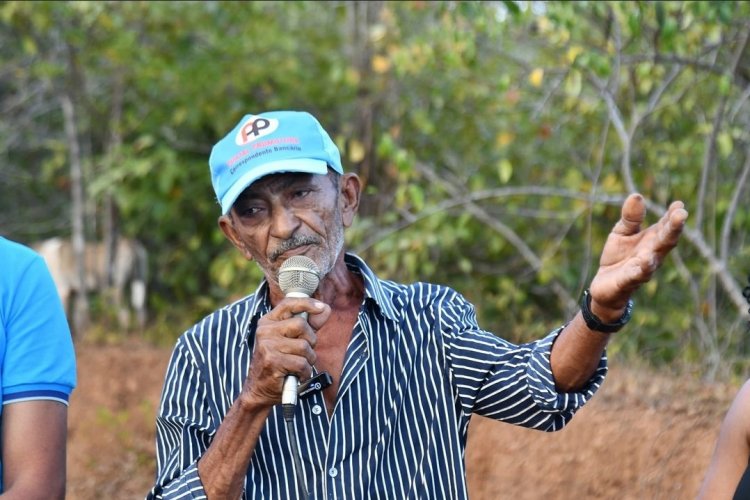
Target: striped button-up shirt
417 367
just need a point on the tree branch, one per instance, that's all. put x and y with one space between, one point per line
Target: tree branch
511 236
732 209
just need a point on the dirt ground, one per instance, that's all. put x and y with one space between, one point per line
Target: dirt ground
644 435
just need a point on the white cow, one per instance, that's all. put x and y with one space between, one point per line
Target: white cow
128 271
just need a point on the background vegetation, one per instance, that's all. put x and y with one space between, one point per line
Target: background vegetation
496 141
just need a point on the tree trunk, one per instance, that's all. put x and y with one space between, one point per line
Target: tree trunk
80 302
110 230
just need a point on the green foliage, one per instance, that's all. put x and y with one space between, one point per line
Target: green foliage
478 127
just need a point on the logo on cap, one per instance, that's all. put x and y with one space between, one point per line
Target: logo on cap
255 128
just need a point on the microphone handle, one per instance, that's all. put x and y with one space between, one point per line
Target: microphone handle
289 389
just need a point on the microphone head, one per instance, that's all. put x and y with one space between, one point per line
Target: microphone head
299 274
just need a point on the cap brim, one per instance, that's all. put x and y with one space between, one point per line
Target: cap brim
304 165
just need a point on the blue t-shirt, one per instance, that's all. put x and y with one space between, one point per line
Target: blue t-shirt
37 359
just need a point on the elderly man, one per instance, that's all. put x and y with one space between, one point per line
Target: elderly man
401 368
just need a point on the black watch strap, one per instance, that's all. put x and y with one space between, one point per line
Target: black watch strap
595 323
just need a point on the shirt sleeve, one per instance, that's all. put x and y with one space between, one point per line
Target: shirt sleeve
505 381
39 358
182 429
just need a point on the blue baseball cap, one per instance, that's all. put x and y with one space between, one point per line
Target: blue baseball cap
269 143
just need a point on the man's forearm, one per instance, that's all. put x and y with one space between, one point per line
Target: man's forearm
223 467
576 355
34 435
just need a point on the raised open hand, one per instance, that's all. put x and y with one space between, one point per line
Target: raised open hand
632 254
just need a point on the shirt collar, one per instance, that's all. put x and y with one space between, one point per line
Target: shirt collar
374 291
260 304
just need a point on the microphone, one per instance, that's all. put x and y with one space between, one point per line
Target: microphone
299 276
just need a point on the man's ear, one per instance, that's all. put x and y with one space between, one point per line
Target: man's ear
227 227
351 190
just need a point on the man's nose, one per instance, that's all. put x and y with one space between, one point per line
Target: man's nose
284 223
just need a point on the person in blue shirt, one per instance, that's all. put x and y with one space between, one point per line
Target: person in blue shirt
37 376
408 363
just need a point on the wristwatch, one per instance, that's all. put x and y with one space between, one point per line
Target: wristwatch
598 325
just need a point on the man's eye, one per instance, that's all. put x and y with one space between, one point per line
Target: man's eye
250 211
301 193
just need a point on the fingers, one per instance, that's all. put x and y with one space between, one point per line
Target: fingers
633 254
631 216
292 357
293 318
666 233
295 306
303 312
294 327
285 345
273 360
671 226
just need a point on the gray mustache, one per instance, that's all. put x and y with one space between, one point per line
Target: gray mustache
292 243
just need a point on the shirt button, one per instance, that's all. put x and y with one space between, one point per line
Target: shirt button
333 472
317 410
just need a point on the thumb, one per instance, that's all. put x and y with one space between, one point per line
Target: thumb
631 216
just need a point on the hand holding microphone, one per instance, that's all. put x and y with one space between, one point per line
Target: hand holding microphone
299 276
